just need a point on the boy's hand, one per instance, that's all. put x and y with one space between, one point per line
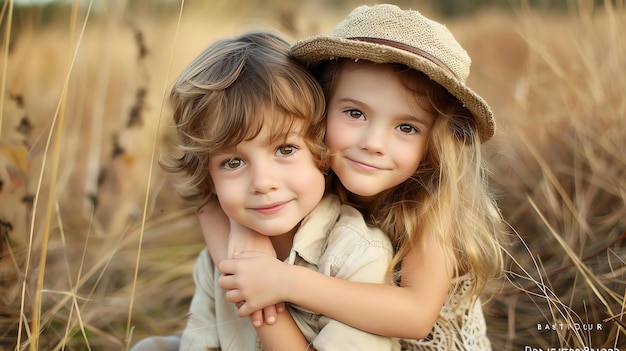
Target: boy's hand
267 315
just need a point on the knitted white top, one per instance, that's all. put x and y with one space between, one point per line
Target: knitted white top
460 327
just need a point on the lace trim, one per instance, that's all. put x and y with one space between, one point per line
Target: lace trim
460 327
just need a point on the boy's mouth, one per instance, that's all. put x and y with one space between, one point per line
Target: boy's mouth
271 208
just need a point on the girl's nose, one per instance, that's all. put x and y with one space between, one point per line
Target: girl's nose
375 140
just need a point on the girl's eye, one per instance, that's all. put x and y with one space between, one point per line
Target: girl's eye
407 129
356 114
232 163
286 150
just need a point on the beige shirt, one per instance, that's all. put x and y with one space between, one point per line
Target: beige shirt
334 240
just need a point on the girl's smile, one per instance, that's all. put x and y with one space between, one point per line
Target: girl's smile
377 129
362 166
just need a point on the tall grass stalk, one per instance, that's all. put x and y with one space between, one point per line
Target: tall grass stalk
7 6
59 119
149 181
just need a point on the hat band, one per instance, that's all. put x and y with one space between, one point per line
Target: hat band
406 47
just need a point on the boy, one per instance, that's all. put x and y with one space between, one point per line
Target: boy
251 124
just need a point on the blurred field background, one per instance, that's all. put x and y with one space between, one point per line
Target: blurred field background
97 251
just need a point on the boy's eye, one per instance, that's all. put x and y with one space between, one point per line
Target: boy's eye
232 163
286 150
356 114
407 129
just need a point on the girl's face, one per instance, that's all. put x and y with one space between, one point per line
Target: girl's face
377 130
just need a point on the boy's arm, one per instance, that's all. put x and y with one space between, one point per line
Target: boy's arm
408 311
283 335
336 335
201 329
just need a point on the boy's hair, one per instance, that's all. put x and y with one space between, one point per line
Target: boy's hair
447 197
228 93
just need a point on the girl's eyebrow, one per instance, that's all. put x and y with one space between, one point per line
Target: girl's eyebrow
426 122
358 103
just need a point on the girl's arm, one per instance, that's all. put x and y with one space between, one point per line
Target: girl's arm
408 311
215 230
223 238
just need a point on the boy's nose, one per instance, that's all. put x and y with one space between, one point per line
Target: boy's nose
263 179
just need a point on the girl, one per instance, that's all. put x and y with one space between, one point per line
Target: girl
405 134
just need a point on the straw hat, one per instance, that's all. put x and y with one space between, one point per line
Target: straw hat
387 34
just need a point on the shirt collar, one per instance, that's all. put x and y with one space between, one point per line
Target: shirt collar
310 239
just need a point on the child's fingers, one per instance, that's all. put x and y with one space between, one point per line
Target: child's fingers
245 310
235 297
227 281
280 307
257 318
270 314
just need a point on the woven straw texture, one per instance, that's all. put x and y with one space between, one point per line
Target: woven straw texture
387 34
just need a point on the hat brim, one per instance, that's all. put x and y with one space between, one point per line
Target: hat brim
314 50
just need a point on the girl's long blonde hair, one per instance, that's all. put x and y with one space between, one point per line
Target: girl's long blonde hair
447 198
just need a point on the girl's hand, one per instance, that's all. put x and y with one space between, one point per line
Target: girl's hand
255 281
244 240
225 237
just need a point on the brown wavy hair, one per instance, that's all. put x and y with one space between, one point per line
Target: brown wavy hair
228 93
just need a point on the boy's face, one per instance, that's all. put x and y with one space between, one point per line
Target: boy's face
377 131
267 187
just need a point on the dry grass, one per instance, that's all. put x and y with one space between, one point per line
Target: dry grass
97 251
558 164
